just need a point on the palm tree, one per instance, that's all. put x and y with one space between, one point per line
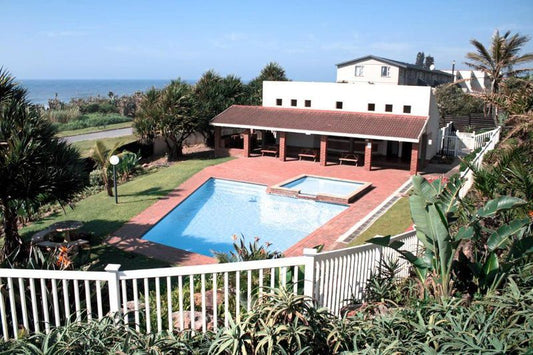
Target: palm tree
101 155
500 59
35 167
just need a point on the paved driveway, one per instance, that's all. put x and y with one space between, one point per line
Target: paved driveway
99 135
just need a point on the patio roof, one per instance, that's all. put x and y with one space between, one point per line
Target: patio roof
404 128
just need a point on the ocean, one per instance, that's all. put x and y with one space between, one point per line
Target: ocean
40 91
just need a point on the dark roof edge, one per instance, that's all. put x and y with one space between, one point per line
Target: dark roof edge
391 62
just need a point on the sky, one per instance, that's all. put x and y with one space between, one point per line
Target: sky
169 39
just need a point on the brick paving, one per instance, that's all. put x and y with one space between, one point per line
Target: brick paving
268 171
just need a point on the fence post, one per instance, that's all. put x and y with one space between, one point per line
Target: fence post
114 287
309 275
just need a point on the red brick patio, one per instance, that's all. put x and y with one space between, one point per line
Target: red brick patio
268 171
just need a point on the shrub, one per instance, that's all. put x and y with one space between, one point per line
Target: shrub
63 115
100 107
92 120
95 178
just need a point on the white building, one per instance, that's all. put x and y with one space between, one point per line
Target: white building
378 124
471 80
378 70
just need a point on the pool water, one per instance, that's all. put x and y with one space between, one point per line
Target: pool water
310 185
210 216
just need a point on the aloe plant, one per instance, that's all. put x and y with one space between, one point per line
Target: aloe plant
434 210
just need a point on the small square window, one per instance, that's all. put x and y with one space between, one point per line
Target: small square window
388 108
339 105
358 70
371 107
294 102
385 71
307 103
407 109
279 102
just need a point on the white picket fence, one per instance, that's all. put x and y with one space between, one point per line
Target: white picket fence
203 297
488 143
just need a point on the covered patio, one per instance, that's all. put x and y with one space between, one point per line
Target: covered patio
375 141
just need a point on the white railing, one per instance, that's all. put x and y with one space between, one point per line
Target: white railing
201 298
453 143
467 176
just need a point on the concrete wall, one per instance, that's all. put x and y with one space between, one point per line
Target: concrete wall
371 72
432 128
355 98
303 140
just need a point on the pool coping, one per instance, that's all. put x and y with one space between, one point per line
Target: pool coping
278 189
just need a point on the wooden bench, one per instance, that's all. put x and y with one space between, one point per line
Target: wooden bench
308 154
269 150
353 158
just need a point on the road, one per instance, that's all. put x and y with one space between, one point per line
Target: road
99 135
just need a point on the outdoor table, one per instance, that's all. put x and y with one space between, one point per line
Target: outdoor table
66 227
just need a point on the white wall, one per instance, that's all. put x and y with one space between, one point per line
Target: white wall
371 72
432 128
355 97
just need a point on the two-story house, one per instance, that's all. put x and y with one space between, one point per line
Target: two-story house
377 70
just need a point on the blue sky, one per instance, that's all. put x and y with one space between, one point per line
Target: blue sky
168 39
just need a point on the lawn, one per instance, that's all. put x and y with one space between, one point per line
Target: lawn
85 146
102 216
76 132
395 221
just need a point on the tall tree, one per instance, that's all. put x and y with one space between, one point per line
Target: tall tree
500 59
428 62
272 72
35 166
420 59
169 113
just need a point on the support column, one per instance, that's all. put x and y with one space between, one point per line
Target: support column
414 159
217 142
368 155
323 150
282 146
423 149
351 145
246 145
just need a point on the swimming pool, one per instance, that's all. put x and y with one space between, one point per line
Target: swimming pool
218 209
312 185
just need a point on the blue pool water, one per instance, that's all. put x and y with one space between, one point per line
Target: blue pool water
311 185
210 216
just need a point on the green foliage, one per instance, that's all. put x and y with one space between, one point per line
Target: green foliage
91 120
452 101
35 166
271 72
101 155
434 209
104 106
63 115
247 252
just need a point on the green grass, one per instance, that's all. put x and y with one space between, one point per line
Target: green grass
77 132
102 216
395 221
85 146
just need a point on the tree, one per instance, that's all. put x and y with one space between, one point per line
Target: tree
169 113
212 95
101 155
272 72
452 101
499 60
35 166
420 59
429 61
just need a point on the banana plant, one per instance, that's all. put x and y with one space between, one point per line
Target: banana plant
434 209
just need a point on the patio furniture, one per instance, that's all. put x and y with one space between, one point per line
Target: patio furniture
270 150
308 153
349 157
66 227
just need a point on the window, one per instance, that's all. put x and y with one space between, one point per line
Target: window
407 109
385 71
279 102
388 108
307 103
371 107
339 105
358 70
294 102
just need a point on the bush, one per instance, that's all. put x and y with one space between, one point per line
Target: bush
63 115
95 178
98 107
92 120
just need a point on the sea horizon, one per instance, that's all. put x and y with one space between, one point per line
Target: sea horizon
42 90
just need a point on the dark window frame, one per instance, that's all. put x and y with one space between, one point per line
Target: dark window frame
307 103
339 105
294 102
371 107
279 102
406 108
388 107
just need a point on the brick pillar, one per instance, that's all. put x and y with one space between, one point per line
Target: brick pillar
423 149
282 146
414 159
323 150
218 131
246 145
368 155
